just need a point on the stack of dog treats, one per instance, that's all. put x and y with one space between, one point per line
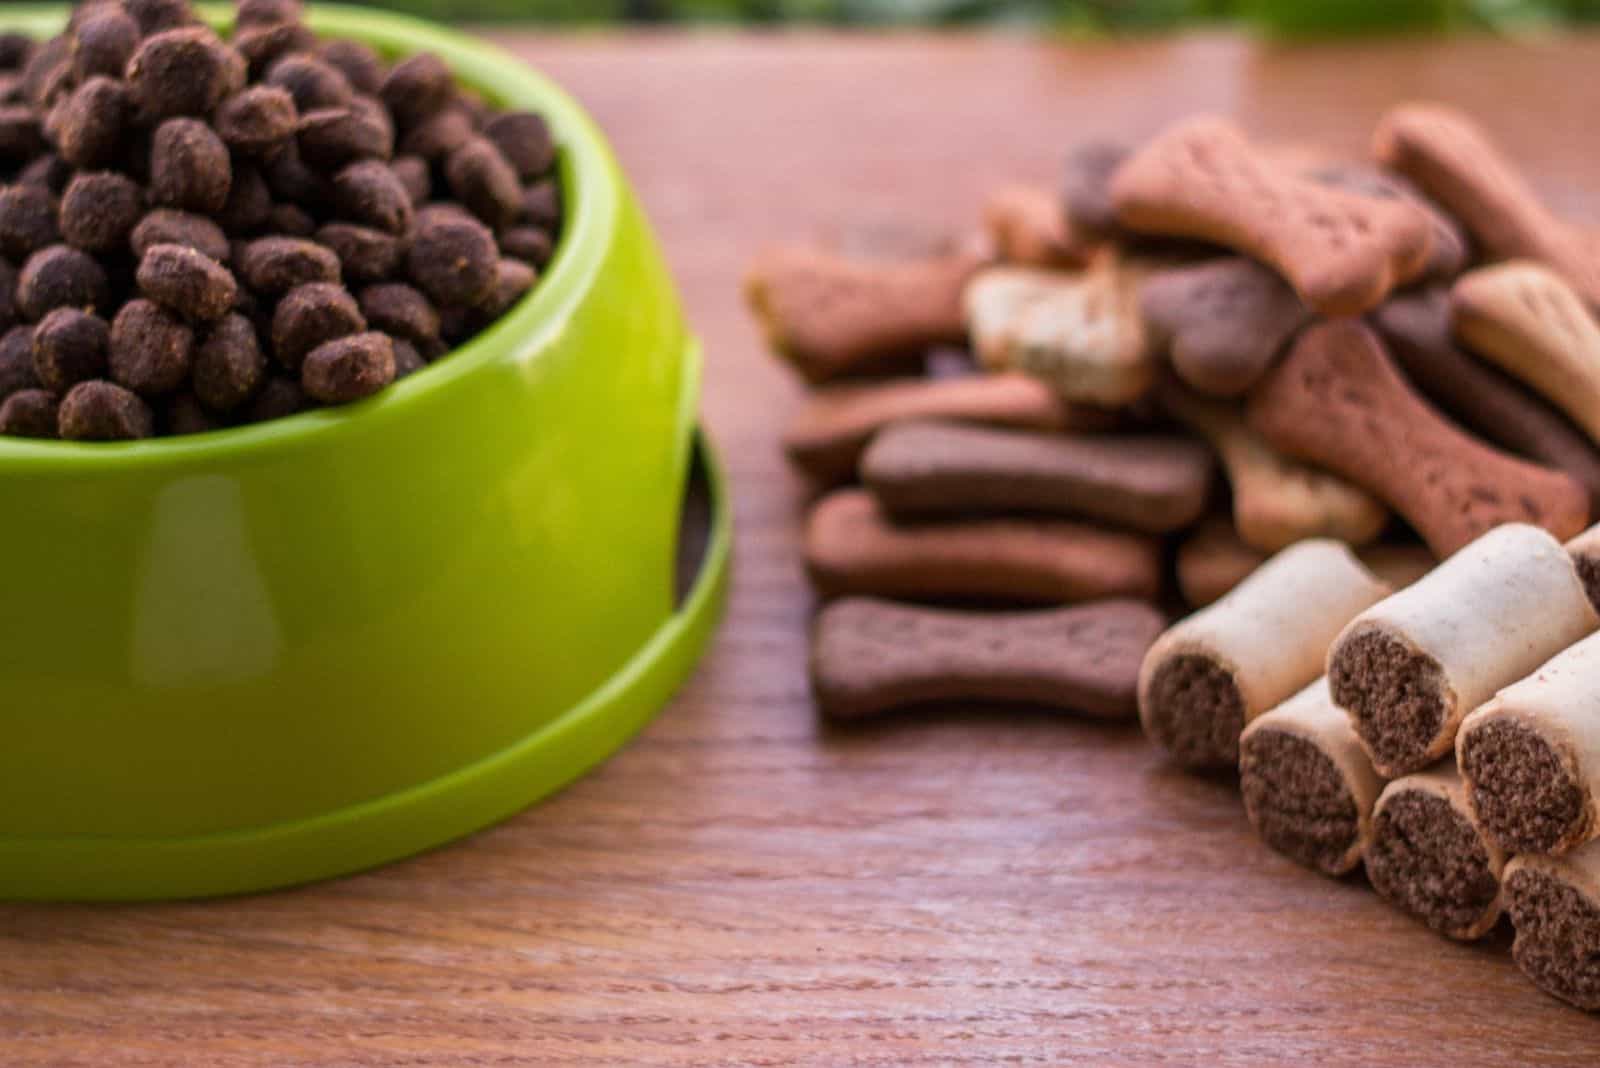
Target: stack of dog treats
1395 362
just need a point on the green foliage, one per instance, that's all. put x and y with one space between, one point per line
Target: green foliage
1282 17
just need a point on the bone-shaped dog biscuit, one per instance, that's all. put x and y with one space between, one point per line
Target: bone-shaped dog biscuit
1028 226
1342 252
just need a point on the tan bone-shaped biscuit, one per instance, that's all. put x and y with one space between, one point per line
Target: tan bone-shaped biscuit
830 316
1223 321
1276 500
1029 227
1337 401
1342 252
1452 159
1448 252
1524 318
1080 332
851 547
832 429
868 656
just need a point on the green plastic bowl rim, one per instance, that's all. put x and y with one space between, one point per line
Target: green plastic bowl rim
590 206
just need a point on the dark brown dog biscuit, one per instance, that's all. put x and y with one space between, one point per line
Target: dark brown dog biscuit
99 211
27 221
229 365
179 72
348 369
453 259
362 67
92 124
275 265
102 411
165 227
828 435
416 88
831 317
257 122
851 547
29 413
60 277
1483 398
69 346
1338 401
310 316
313 83
1223 321
334 137
1202 179
103 43
869 656
1448 254
187 282
1149 483
190 169
16 361
151 349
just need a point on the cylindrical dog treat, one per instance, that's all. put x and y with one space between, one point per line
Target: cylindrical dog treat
1554 903
868 656
829 434
1409 669
852 548
1308 786
1585 553
1212 674
1150 483
1430 859
1531 756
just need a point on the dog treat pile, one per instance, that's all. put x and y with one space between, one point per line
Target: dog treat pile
197 233
1390 363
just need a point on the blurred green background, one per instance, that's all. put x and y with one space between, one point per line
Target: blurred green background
1290 17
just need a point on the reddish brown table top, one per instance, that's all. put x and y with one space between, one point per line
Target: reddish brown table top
745 886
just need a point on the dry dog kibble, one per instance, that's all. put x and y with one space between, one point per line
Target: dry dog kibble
1276 501
190 169
1213 673
869 656
310 316
407 360
523 138
103 411
1222 322
267 12
512 280
278 398
229 365
92 124
1149 483
480 178
155 16
69 346
151 349
99 211
257 122
103 42
541 204
275 265
1523 317
831 317
1309 788
60 277
1417 328
360 65
187 282
401 311
1338 402
16 361
1202 179
415 176
249 206
528 244
348 369
334 137
166 227
827 437
179 72
27 221
182 413
453 259
1531 756
1554 904
1409 669
313 83
365 254
261 46
29 413
1430 858
851 547
416 88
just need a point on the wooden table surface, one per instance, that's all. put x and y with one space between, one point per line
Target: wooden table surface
743 885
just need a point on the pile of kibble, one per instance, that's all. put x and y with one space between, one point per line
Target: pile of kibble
198 233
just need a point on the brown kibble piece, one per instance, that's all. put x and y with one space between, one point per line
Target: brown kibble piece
99 211
407 360
416 88
869 656
103 411
275 265
186 282
1202 179
15 48
151 349
21 137
48 72
49 172
156 16
1479 395
29 413
529 244
1223 321
831 317
189 167
366 255
1338 402
258 121
278 397
293 180
310 316
179 72
69 346
1150 483
851 548
166 227
229 365
512 281
402 311
103 43
523 138
415 176
541 204
349 369
16 361
481 179
291 220
313 83
453 259
359 64
261 46
249 206
440 135
91 124
182 413
1431 860
334 137
827 437
267 12
60 276
27 221
369 193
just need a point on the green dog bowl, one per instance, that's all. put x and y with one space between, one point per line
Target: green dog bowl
283 652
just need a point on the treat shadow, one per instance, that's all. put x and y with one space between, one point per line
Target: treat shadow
1089 732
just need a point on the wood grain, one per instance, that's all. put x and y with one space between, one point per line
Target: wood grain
743 886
